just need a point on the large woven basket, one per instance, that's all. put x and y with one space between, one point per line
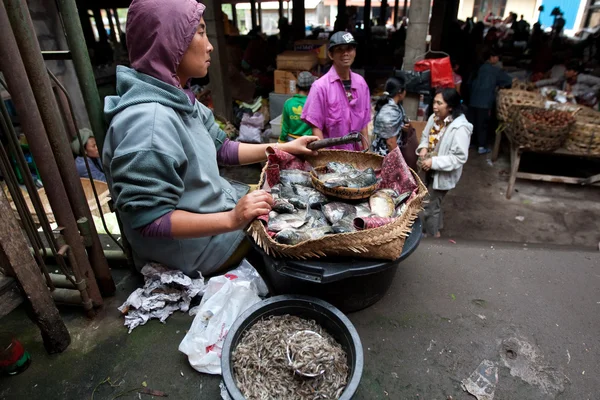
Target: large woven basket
507 98
385 242
584 138
538 136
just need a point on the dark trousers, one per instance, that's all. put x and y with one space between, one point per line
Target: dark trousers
480 118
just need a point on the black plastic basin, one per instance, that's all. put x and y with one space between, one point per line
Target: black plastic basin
350 284
326 315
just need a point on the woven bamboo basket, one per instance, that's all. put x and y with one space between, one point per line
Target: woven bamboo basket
345 193
522 85
508 98
385 242
584 138
538 136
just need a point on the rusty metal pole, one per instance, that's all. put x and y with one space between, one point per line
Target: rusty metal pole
31 121
76 39
29 47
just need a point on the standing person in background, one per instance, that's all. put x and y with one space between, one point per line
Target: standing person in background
389 118
292 126
455 76
483 95
443 151
391 126
339 102
93 155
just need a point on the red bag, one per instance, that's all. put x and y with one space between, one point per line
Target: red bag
441 71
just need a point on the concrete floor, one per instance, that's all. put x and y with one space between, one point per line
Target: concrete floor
449 308
554 213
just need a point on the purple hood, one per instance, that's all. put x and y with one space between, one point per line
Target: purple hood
158 34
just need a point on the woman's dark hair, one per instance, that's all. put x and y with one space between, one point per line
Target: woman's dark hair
573 65
393 86
454 101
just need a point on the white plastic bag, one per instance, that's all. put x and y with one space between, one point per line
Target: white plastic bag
251 128
225 298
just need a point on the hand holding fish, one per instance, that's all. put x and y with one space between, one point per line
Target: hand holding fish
249 207
298 146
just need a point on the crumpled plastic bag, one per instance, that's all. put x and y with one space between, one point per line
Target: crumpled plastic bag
225 298
165 291
251 128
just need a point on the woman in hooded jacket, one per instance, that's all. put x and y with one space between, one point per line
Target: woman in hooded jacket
163 148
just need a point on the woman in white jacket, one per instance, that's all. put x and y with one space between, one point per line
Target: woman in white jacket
443 150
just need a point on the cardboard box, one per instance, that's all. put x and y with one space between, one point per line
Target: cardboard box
296 61
285 82
319 47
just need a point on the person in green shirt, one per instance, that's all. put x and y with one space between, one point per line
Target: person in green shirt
292 127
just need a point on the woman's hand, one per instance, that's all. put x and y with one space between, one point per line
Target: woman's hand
406 127
249 207
298 146
426 165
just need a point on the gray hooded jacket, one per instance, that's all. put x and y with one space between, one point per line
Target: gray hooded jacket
160 152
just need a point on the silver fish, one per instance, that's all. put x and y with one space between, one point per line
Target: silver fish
339 167
295 236
401 210
279 222
295 176
312 197
344 225
398 198
363 210
354 180
288 193
283 206
336 211
382 204
315 219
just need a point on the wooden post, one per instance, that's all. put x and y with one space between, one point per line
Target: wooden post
234 14
280 8
383 12
113 34
298 20
14 251
396 7
102 36
260 16
416 43
342 10
218 72
367 18
405 9
252 12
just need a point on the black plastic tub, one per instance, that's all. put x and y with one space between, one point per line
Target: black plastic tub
326 315
350 284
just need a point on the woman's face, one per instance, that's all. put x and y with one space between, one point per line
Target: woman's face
196 60
400 96
440 107
91 149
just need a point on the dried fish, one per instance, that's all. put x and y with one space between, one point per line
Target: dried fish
262 370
